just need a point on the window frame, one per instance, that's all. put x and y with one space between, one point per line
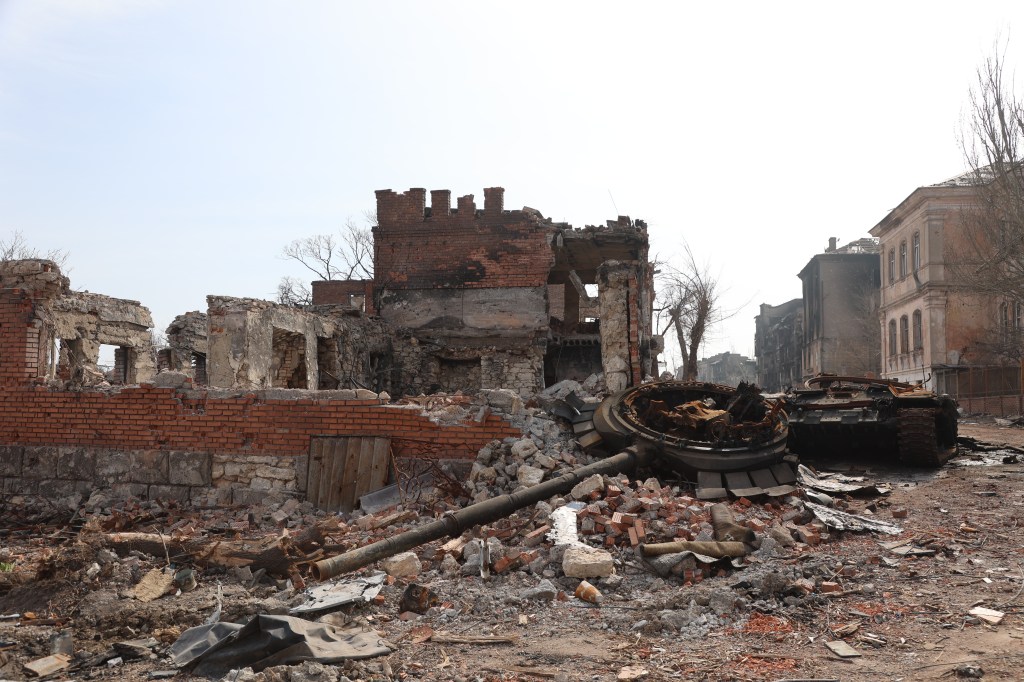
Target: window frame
915 255
904 334
903 259
917 331
892 338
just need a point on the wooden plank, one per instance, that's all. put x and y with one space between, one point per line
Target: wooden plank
346 499
314 470
329 476
381 462
329 473
363 469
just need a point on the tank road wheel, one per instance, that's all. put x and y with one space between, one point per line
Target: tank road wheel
917 436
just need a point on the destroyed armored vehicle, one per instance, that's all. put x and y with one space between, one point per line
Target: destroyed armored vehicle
728 439
858 416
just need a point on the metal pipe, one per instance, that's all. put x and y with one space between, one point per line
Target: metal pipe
455 523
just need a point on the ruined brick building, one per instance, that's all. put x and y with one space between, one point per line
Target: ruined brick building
464 299
497 298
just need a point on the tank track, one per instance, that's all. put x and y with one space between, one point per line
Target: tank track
918 442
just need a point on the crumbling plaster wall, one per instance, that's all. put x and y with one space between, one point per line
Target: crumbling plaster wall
79 323
94 320
187 346
241 341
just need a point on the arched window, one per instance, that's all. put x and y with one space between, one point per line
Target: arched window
904 335
915 251
892 337
892 266
903 259
918 331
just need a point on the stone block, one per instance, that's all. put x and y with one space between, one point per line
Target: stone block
10 460
587 562
584 488
301 464
523 448
149 466
76 464
123 491
20 486
529 475
190 468
39 462
169 492
113 467
275 473
402 565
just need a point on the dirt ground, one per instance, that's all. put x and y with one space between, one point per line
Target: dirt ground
907 617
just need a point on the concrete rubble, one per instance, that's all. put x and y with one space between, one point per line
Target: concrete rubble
793 567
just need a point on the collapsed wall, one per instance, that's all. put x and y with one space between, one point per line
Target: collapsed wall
60 437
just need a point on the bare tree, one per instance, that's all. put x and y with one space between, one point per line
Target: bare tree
687 304
988 256
347 255
16 247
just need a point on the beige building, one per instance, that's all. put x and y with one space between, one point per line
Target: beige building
930 331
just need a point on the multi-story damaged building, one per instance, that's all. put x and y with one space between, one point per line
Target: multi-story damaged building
840 300
462 299
488 298
931 330
778 344
726 368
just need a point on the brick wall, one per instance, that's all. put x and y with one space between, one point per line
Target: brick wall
149 418
342 292
20 349
419 248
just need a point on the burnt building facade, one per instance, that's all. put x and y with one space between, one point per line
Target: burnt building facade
840 301
778 344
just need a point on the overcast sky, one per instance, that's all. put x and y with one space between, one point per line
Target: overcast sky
174 147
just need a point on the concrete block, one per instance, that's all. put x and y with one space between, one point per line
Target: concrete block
189 468
587 562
